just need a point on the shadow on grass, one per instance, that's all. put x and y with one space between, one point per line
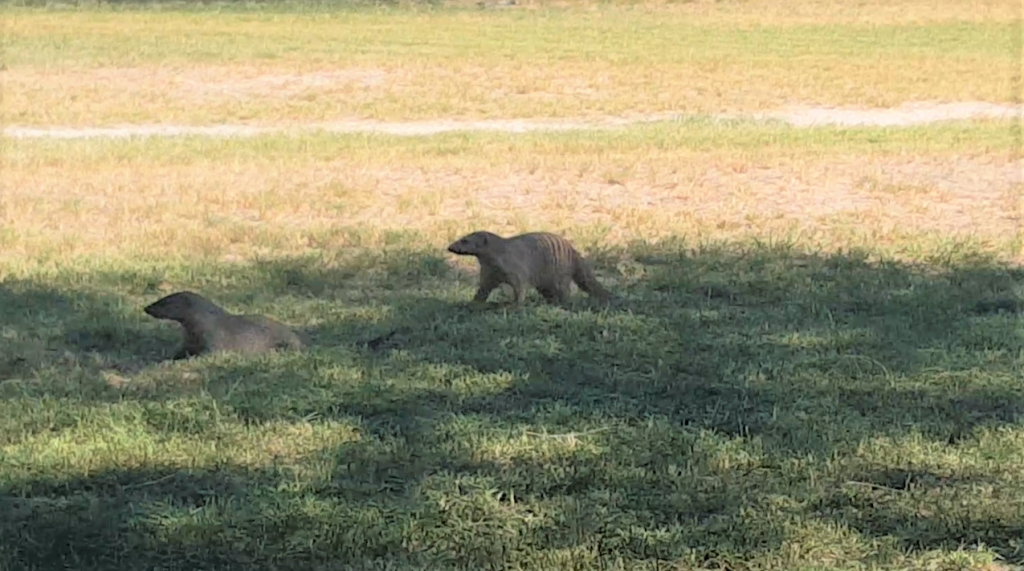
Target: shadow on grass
382 505
130 518
730 405
731 341
926 510
73 328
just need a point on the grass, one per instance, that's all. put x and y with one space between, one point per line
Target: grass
796 375
95 66
779 386
227 200
763 408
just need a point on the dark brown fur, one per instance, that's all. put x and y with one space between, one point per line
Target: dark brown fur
541 260
208 328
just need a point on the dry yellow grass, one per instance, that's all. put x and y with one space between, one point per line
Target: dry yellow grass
245 199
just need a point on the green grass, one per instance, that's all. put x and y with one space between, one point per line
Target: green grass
98 66
755 407
740 139
99 38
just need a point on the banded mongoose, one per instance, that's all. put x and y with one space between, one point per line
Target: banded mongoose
208 328
542 260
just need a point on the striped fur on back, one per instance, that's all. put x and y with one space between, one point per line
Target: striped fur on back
542 260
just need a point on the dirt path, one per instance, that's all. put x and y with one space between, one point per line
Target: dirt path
801 116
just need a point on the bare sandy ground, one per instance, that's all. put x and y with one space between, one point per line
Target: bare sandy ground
801 116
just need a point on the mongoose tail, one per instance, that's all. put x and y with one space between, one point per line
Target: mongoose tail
586 279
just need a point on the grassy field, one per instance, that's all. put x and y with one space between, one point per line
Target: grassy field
796 374
99 67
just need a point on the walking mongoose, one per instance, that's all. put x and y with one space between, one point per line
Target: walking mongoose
542 260
208 328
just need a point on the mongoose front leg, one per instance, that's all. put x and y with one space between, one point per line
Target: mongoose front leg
488 282
191 347
482 293
518 291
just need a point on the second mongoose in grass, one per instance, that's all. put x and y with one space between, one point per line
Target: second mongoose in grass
209 328
541 260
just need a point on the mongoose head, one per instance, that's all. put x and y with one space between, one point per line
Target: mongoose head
474 244
177 306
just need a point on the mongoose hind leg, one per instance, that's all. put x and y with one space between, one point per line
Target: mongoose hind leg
185 352
290 344
548 294
556 293
563 289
